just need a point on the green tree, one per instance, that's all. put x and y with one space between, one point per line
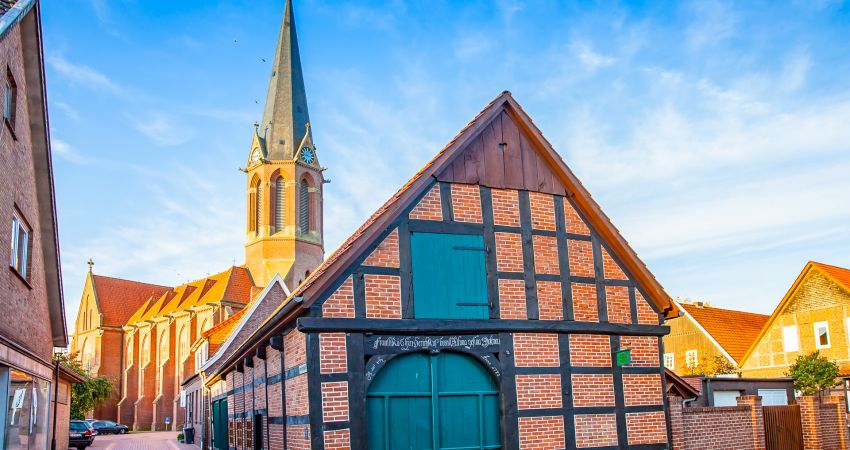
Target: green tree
813 373
88 394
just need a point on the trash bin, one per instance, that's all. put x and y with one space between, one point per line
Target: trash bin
189 435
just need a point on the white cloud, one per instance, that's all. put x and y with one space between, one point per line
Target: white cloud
65 151
589 58
82 75
713 21
67 110
163 129
795 71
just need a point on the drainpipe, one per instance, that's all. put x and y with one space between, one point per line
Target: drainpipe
55 403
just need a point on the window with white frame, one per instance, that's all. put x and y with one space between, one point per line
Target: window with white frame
691 358
822 335
790 340
19 257
670 361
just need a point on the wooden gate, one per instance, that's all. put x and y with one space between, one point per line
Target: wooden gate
782 429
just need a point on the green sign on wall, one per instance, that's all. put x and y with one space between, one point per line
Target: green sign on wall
624 357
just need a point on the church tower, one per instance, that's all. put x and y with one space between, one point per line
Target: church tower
285 180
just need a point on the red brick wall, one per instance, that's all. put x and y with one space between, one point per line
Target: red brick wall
274 407
581 258
595 430
575 224
23 307
589 350
546 255
536 350
341 302
585 306
466 202
593 390
332 353
383 296
542 211
646 428
619 309
335 401
386 253
509 252
538 391
713 428
429 208
512 299
642 389
505 207
548 300
541 433
338 439
824 422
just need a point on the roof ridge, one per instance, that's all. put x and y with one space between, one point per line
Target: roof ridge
131 281
225 322
723 309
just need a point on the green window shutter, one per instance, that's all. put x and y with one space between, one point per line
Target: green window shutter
449 276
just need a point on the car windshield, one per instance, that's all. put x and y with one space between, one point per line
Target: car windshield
79 426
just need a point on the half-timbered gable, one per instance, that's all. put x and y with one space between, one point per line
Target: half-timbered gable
488 304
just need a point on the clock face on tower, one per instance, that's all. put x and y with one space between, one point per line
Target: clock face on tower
255 156
307 155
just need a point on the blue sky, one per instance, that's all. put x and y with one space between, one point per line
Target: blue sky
714 134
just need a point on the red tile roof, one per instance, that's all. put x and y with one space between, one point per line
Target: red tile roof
839 274
219 333
735 331
118 299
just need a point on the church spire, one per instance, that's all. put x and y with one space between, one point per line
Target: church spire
285 119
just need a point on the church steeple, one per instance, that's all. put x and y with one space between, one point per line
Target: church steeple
286 118
284 233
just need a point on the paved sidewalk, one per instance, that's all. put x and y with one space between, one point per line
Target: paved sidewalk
156 440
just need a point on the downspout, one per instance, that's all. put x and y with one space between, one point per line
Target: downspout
55 403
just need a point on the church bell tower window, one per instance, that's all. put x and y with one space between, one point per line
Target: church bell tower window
280 205
305 207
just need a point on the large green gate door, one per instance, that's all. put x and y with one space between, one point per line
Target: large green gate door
446 401
449 276
219 419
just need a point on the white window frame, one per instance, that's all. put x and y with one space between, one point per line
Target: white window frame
19 256
670 361
691 355
787 340
817 336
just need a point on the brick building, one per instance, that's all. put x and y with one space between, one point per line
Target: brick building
485 305
32 388
143 335
813 315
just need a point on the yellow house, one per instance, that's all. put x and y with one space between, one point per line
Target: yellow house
813 315
702 333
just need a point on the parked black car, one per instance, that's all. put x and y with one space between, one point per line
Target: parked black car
109 427
80 435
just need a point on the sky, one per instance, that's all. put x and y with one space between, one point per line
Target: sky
715 135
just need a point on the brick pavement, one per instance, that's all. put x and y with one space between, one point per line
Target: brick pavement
163 440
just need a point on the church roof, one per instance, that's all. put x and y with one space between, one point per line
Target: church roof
118 299
231 285
285 117
735 331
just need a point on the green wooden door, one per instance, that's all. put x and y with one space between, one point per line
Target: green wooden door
219 418
449 276
421 401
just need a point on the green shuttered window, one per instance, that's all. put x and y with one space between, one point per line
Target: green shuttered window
449 276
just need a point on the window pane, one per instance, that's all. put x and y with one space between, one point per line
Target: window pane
19 411
790 341
23 250
13 254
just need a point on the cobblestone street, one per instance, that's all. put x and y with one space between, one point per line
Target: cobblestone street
140 441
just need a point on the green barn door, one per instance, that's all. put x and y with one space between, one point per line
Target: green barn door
219 418
449 276
421 401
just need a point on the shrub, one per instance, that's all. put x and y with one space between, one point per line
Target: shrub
813 373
